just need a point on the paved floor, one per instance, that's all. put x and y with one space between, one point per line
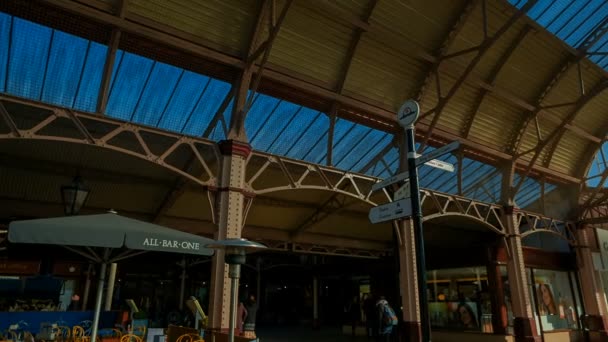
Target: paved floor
301 334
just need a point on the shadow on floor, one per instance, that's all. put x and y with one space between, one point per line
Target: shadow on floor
301 334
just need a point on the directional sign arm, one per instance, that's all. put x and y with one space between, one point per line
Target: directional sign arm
404 176
437 153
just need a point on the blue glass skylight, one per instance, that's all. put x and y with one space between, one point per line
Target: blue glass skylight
43 64
598 166
574 21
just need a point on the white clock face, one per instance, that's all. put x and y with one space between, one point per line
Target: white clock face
408 113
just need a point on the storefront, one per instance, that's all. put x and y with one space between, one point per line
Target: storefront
475 297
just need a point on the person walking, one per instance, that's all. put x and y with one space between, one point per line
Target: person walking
371 315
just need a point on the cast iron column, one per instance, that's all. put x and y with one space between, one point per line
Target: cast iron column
230 199
524 325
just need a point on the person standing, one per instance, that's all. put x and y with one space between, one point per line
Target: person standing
74 303
241 315
387 319
249 323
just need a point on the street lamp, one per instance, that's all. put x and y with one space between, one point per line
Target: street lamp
74 196
235 250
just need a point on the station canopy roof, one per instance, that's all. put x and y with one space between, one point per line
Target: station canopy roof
500 76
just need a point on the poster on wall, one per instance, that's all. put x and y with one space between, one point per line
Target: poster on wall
545 299
463 315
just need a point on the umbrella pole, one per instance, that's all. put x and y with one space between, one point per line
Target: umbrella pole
102 278
87 287
110 290
182 289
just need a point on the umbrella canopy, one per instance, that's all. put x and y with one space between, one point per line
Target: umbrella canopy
107 231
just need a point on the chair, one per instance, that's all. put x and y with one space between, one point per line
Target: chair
130 338
62 333
188 338
78 334
140 331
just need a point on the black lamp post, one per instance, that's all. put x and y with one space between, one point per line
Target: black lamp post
235 250
74 196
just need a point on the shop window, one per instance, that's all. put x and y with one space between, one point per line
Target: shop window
460 299
555 299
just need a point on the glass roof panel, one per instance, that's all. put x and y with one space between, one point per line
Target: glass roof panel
29 50
598 167
574 22
48 65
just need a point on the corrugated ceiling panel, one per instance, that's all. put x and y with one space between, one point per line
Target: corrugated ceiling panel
224 24
429 96
423 23
570 148
311 44
460 108
354 8
568 89
383 74
530 67
128 197
498 17
494 121
530 138
594 116
190 204
352 226
471 34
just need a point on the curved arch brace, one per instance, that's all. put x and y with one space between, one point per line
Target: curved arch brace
286 174
312 187
473 218
49 123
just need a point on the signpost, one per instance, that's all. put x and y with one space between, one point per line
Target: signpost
404 176
391 211
405 206
402 192
437 153
438 164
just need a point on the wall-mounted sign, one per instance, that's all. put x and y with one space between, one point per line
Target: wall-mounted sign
19 267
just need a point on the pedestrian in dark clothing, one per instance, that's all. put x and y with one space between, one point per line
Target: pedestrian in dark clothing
371 315
249 323
354 313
